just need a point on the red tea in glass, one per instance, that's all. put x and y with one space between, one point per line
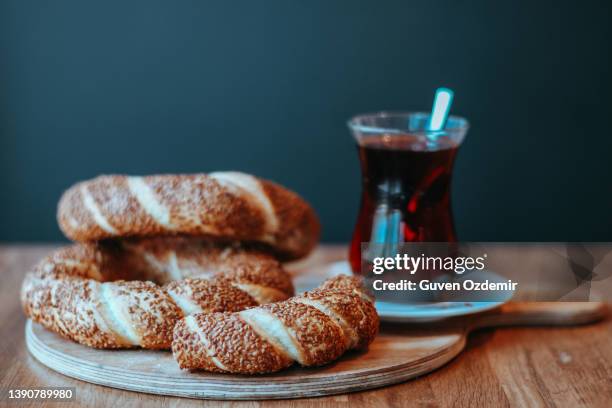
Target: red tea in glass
406 180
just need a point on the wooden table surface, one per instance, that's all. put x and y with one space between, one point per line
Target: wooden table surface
564 367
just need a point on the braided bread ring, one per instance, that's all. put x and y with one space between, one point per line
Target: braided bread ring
222 205
75 291
312 329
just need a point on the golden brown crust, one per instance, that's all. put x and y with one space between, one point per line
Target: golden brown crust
197 257
317 336
190 351
214 295
350 309
77 291
304 222
225 336
152 313
353 284
70 308
315 328
220 206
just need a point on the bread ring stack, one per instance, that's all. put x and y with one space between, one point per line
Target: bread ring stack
192 263
211 242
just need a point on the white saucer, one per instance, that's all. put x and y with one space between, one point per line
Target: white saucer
408 313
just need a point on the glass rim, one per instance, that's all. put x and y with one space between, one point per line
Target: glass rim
353 123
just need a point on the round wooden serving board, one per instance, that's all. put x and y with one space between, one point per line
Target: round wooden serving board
399 353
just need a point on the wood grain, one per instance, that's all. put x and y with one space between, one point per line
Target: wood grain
394 357
399 353
509 367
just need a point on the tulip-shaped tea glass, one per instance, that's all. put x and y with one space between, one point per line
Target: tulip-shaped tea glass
406 174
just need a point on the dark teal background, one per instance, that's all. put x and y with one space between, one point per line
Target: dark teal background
266 86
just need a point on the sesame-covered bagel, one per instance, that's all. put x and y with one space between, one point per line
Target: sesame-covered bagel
312 329
99 295
221 206
175 258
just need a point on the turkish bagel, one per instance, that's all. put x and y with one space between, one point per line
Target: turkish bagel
225 206
108 295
